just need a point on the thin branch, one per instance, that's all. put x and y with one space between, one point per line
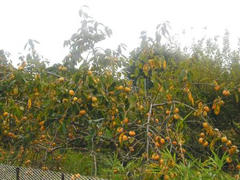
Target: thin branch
147 130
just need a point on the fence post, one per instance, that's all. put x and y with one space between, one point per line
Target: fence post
62 176
17 173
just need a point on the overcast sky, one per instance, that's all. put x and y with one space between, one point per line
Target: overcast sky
53 21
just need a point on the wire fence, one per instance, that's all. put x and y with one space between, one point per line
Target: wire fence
8 172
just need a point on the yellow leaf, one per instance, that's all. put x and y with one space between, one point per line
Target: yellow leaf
29 103
121 138
213 142
217 109
146 68
190 97
164 64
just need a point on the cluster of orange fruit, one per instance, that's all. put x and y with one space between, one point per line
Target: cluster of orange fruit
159 141
175 115
125 89
228 146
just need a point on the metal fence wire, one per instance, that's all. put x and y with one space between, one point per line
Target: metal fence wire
8 172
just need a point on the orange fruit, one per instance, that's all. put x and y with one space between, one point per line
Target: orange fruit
206 108
132 133
5 114
127 89
41 123
157 144
229 143
120 88
94 99
176 116
42 128
217 87
176 110
82 112
89 73
168 112
125 121
131 149
228 160
162 141
204 113
71 92
205 144
226 92
166 177
224 139
161 161
75 99
202 135
232 150
115 171
205 125
174 143
200 140
238 167
155 156
120 130
124 138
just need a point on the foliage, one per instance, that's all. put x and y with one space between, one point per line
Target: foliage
159 113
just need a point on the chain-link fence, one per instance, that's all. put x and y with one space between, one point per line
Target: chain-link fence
8 172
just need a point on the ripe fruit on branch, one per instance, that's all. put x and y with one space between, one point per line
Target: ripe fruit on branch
205 125
132 133
205 144
71 92
226 92
5 114
200 140
204 113
127 89
202 135
217 87
125 121
176 116
229 143
168 112
82 112
131 149
206 108
89 73
120 87
120 130
75 99
228 160
176 110
224 139
162 141
94 99
155 157
174 143
124 138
